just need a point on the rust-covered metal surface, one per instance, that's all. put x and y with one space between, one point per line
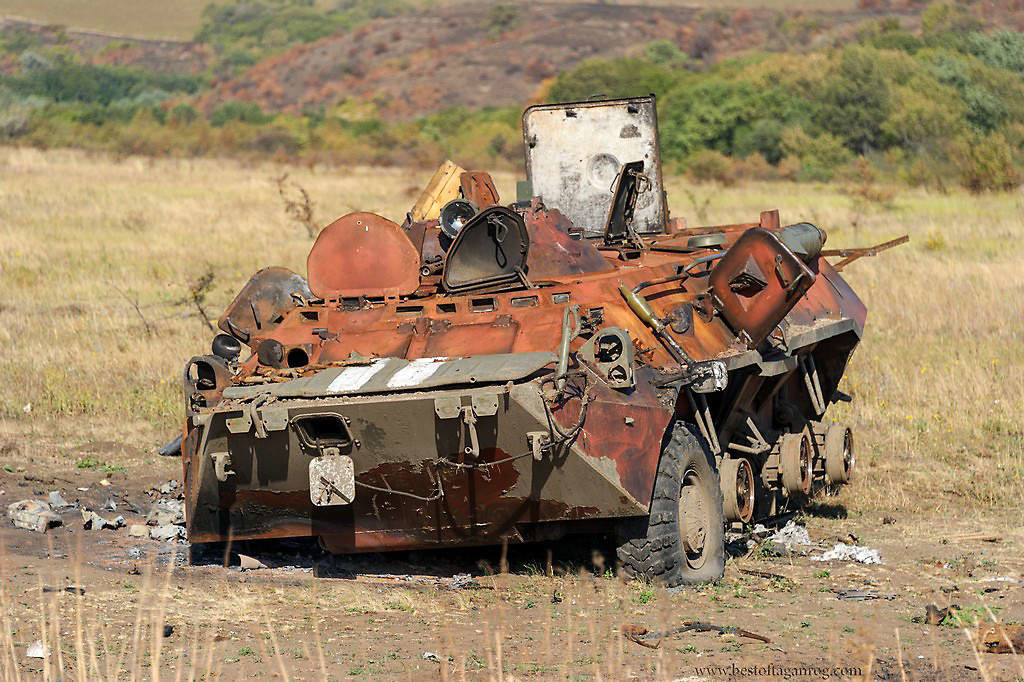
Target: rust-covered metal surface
518 381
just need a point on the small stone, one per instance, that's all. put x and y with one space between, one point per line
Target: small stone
138 531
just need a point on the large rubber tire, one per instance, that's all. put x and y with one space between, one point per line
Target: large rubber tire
683 542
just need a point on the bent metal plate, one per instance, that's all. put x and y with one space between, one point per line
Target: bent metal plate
332 481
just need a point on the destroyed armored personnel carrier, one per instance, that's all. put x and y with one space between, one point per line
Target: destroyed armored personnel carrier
488 372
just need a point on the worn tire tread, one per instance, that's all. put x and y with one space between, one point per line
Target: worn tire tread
658 555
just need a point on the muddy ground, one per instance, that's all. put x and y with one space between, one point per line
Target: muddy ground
406 616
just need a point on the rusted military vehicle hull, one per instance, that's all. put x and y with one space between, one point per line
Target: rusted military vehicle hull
509 375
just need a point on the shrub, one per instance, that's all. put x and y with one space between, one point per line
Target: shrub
708 165
502 18
855 100
762 138
666 53
985 162
624 77
820 156
182 114
246 112
706 115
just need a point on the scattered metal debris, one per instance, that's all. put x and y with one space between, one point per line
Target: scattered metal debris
248 563
844 552
169 487
57 501
431 656
33 515
653 640
933 615
36 650
168 533
93 521
791 534
166 512
1002 579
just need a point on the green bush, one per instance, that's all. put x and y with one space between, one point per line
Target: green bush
625 77
246 112
820 156
985 162
1003 49
856 99
70 82
706 116
708 165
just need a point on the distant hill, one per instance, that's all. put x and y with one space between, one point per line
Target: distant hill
470 55
895 89
181 19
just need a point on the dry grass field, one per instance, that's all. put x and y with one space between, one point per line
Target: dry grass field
137 18
180 20
97 261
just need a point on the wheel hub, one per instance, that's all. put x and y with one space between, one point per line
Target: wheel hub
693 520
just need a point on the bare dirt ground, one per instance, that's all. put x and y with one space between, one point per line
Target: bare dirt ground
96 260
294 620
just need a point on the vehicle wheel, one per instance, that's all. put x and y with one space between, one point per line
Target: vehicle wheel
737 479
796 461
839 457
684 539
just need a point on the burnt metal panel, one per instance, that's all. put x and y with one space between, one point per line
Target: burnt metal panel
383 375
757 282
363 254
574 153
490 249
261 302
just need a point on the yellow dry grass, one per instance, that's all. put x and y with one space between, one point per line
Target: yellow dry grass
180 20
137 18
83 239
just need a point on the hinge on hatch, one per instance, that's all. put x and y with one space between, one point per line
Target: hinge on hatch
451 407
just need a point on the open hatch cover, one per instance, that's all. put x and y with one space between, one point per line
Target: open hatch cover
574 153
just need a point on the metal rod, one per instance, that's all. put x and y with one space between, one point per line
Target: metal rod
757 434
811 393
660 280
568 326
816 383
697 416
